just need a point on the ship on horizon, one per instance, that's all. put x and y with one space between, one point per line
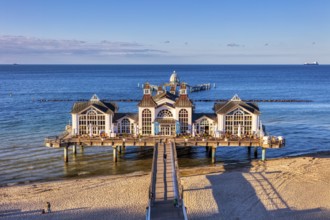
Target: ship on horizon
312 63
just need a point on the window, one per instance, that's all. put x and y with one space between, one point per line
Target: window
238 118
204 126
183 119
165 114
91 123
146 121
125 126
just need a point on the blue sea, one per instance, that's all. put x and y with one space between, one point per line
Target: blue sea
25 122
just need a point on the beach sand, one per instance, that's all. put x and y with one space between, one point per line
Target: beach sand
288 188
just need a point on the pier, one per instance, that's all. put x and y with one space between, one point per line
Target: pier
166 119
165 200
165 191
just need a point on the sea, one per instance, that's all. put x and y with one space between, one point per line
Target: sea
25 121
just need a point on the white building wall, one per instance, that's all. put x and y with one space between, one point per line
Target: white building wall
107 124
221 122
139 125
255 122
75 124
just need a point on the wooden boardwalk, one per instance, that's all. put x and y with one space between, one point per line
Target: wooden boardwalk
165 201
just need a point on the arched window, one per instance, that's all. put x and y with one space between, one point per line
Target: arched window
125 126
238 118
183 119
204 126
146 121
91 123
165 114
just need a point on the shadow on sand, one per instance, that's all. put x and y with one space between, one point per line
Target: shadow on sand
240 193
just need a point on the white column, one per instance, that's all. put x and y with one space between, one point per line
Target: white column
221 123
74 125
255 123
107 124
140 121
153 117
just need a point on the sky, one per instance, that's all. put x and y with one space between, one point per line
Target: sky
164 32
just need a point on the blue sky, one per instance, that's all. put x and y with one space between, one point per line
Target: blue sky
164 32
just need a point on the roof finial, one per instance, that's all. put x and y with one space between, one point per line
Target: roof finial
94 98
236 98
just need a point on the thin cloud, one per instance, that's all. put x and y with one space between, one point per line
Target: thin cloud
234 45
266 44
167 42
31 45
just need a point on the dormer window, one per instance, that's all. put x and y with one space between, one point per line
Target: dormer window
147 91
183 92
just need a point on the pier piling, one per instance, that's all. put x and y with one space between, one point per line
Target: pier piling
255 152
74 149
210 151
81 149
115 154
249 151
66 156
213 154
263 154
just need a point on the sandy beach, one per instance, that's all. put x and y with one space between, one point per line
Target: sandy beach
288 188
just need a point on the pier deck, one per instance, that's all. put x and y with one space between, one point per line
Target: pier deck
165 185
117 143
151 141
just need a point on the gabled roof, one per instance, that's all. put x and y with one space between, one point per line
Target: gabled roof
183 101
133 116
235 102
197 116
166 104
147 101
163 95
106 107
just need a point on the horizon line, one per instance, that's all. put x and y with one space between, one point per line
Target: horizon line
17 64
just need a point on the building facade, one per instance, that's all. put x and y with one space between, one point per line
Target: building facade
165 113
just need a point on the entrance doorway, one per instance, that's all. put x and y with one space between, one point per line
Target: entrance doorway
167 129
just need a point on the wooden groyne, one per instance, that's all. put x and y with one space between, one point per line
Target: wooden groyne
195 100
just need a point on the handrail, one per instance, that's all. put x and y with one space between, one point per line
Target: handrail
178 180
151 186
178 176
174 174
148 214
153 174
